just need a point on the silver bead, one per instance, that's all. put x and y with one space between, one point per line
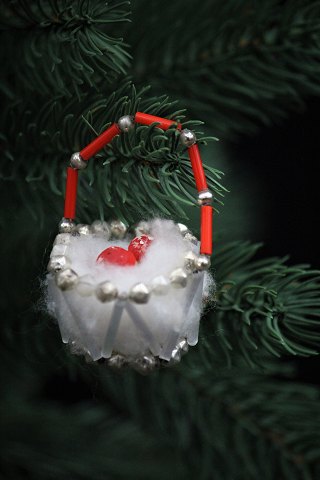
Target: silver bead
100 229
187 137
57 263
203 263
145 364
139 293
106 292
83 229
59 250
205 198
76 348
126 123
67 279
183 229
118 229
66 225
183 346
143 228
62 239
179 278
191 238
175 356
189 260
77 162
116 361
160 285
88 358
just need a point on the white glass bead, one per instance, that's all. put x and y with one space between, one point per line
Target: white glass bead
85 286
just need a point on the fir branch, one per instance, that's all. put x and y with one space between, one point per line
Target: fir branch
263 306
49 442
120 176
191 417
236 65
73 42
256 417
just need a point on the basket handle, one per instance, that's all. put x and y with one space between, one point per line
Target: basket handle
79 161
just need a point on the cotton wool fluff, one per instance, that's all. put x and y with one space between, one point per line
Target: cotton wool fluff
133 330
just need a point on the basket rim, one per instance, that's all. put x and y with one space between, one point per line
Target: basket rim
60 265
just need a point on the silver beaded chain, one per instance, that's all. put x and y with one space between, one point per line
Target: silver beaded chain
66 278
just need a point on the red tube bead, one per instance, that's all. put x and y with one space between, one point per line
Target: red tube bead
71 193
197 167
206 230
100 142
146 119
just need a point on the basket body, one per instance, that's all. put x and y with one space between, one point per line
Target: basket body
122 326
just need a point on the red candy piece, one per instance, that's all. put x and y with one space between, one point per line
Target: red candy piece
117 256
139 245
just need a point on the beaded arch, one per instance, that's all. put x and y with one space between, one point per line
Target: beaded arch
79 161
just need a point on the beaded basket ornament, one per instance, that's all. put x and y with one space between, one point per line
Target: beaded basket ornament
152 320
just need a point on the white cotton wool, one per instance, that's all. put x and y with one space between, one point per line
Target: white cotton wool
122 326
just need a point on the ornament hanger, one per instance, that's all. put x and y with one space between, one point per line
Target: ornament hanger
79 161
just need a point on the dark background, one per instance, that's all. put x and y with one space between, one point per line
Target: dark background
284 160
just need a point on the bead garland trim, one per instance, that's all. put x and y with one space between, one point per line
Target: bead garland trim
67 279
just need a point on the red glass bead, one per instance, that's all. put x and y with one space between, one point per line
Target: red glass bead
206 230
139 245
146 119
100 142
71 193
197 167
117 256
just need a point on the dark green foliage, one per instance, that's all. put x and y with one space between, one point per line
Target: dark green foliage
232 409
238 63
269 305
63 44
144 157
186 422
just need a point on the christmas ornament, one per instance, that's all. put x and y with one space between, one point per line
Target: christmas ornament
130 298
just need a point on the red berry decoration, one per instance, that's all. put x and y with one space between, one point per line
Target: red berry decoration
117 256
138 246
